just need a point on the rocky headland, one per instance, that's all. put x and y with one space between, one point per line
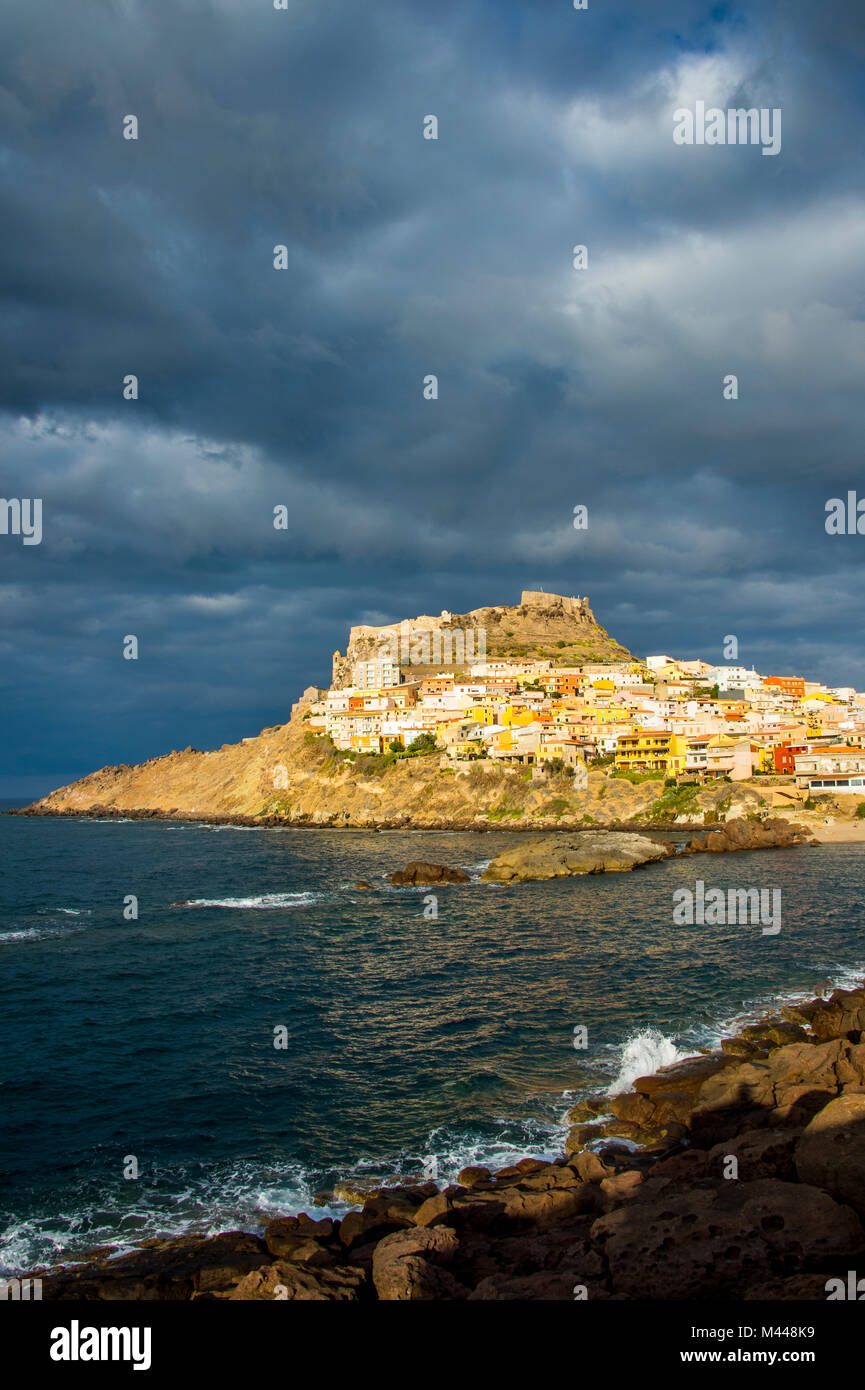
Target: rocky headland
286 776
733 1175
292 774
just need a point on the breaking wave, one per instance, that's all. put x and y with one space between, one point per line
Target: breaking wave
643 1054
265 900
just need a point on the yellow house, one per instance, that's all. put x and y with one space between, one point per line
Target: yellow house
651 750
447 727
366 743
512 714
484 714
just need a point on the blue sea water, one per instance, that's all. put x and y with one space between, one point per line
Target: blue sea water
413 1045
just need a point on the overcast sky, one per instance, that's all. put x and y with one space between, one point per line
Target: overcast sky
407 256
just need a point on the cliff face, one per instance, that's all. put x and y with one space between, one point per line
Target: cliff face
540 626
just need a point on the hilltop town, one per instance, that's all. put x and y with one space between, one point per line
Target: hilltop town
530 715
662 715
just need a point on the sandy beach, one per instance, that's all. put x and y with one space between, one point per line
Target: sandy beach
838 832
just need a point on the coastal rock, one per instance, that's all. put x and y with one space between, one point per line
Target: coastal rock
726 1101
590 1168
556 1175
760 1153
622 1187
356 1191
703 1243
579 1136
300 1238
623 1129
831 1151
772 833
283 1282
588 1108
473 1175
774 1033
850 1068
411 1265
419 871
527 1208
843 1015
587 852
181 1268
389 1210
631 1105
743 1047
687 1075
361 1227
811 1063
530 1166
660 1221
802 1012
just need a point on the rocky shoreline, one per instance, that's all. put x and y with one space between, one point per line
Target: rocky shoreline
456 825
732 1175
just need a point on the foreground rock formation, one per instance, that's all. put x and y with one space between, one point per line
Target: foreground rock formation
747 1183
558 856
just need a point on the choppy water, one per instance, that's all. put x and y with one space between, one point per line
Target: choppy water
411 1043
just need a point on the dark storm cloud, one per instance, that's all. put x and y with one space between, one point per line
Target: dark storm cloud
406 257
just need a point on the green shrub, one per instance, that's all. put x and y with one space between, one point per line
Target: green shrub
424 743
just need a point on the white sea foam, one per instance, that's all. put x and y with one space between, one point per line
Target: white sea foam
205 825
105 820
833 977
266 900
474 871
240 1195
45 930
644 1053
25 934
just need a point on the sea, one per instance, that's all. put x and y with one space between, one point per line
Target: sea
207 1026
